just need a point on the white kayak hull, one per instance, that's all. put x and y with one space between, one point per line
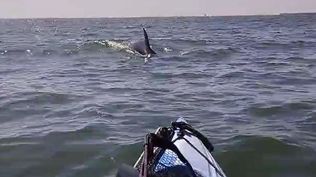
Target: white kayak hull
193 149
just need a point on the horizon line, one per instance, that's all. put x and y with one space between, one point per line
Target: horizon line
171 16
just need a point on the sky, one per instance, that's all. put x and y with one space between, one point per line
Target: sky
136 8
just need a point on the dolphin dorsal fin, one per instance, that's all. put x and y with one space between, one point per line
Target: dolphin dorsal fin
146 38
147 42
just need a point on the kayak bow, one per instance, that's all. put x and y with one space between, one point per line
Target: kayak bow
179 150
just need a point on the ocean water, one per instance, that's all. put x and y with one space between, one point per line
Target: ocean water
73 105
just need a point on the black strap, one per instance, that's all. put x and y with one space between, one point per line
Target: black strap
185 126
208 160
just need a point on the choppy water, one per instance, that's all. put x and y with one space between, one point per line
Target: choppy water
70 106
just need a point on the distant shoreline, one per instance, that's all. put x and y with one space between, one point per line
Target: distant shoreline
135 17
299 13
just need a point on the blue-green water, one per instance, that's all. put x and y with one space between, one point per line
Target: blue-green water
71 106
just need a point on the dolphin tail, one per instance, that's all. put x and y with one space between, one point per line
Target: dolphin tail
148 49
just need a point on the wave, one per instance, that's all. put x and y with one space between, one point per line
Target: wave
185 75
260 110
16 52
100 45
284 45
30 104
190 41
120 45
38 52
72 48
89 35
87 47
221 52
262 153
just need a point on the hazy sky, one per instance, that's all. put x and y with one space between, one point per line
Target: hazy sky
125 8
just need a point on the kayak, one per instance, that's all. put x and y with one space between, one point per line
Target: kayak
178 150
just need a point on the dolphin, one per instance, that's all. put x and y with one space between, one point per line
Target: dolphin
143 46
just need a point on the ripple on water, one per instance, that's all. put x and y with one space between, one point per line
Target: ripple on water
260 110
207 53
35 113
266 155
87 150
